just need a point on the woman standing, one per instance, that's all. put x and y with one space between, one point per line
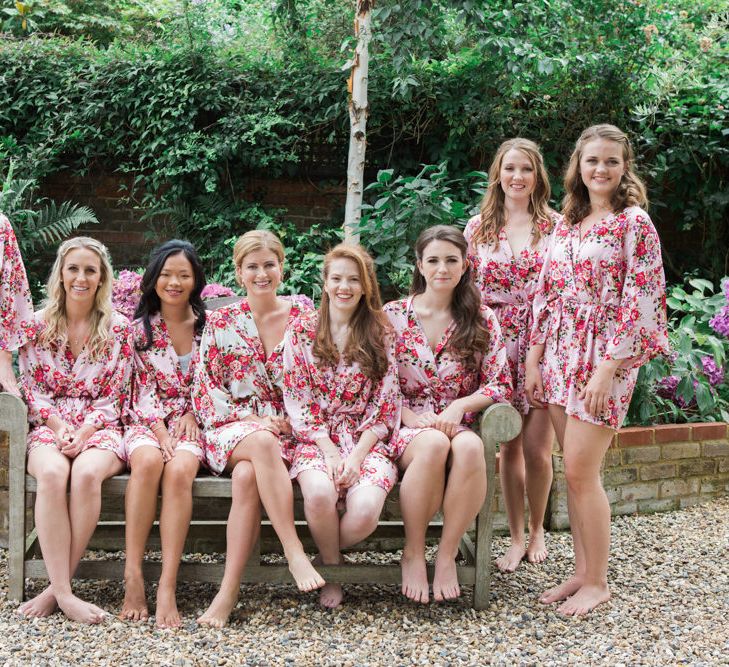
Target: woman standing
506 245
237 396
340 390
162 440
76 380
599 314
16 307
452 364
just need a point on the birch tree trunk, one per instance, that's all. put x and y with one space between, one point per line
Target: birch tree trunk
358 110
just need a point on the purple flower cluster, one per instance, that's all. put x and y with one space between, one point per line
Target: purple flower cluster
666 388
714 373
215 291
720 321
126 293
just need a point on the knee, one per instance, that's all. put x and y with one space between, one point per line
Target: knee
320 499
178 476
579 478
364 516
469 452
86 478
146 462
538 458
263 444
53 478
435 449
243 479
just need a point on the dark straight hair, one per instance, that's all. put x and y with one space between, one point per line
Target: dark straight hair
150 304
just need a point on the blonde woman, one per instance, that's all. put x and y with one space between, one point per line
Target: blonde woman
506 246
75 377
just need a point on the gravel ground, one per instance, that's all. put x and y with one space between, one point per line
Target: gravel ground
669 575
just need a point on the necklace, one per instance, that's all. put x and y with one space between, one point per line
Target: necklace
340 338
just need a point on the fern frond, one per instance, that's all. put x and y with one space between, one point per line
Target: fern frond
53 223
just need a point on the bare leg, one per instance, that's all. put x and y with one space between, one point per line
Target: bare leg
263 450
538 438
320 508
140 506
241 534
511 474
174 522
364 506
421 494
464 496
584 449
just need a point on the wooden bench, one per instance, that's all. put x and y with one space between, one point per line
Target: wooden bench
499 423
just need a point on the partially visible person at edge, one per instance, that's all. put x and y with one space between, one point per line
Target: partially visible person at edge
76 379
162 440
599 313
237 396
506 245
16 306
341 395
452 364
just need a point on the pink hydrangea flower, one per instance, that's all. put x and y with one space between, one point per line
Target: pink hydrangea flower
216 291
126 293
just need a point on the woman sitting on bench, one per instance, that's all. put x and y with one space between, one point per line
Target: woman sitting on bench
75 377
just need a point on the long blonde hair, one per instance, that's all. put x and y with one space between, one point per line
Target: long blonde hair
493 212
630 192
54 306
368 327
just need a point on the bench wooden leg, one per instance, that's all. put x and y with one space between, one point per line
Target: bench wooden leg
482 585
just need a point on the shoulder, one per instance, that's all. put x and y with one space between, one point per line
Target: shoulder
120 324
225 315
300 303
303 329
395 307
548 224
488 317
471 226
5 225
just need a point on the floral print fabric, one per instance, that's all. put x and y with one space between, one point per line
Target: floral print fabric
340 403
16 306
507 283
600 297
430 380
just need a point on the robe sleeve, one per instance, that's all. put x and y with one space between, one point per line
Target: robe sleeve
16 307
37 393
642 331
494 376
543 298
146 406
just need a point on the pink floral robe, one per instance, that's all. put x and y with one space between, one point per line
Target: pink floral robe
602 297
507 284
432 380
16 307
234 380
78 391
340 403
160 389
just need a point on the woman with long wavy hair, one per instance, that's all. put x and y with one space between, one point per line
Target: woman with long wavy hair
237 396
16 306
599 313
341 395
76 378
506 246
162 440
451 364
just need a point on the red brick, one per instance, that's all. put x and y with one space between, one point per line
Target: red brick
709 431
636 435
673 433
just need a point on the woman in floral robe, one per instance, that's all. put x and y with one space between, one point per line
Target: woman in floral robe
341 395
76 378
506 245
237 396
16 307
452 363
599 313
162 440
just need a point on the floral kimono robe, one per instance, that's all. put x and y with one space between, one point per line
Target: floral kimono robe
16 307
600 297
507 284
160 389
341 403
79 391
431 380
234 379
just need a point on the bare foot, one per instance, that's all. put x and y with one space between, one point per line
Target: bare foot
40 606
415 578
584 600
80 611
306 577
563 591
135 601
166 614
537 551
512 558
218 613
445 580
331 596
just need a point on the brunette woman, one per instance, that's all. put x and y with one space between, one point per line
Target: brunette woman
237 396
75 378
506 244
599 314
452 364
162 440
340 391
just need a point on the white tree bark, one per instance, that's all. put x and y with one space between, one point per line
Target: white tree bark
358 111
